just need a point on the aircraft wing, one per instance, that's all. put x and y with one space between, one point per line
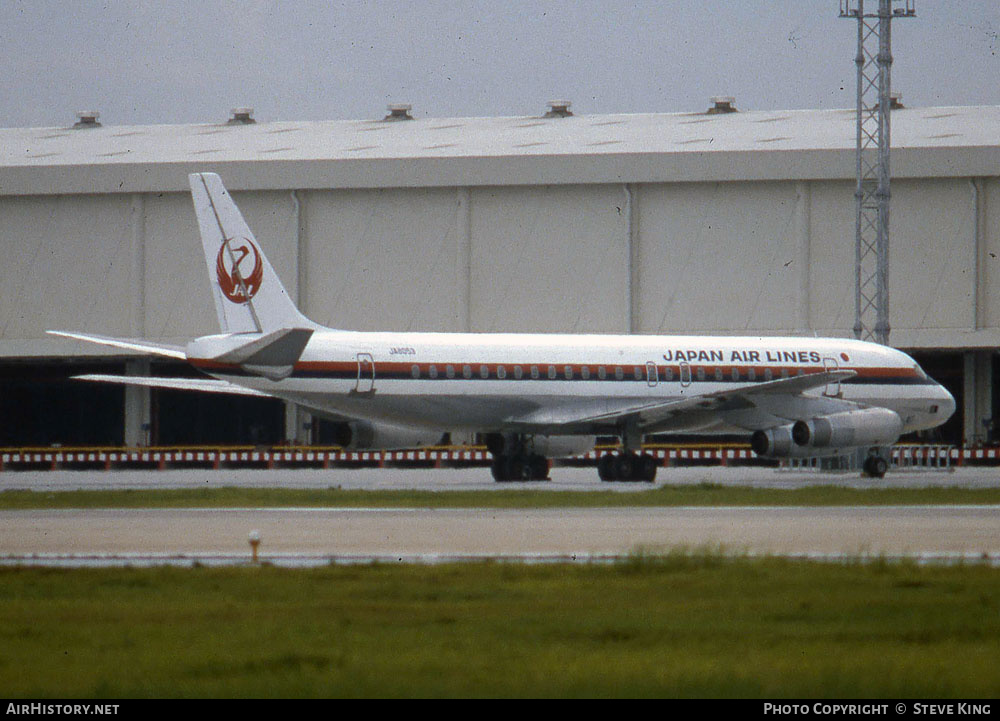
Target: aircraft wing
132 344
183 384
780 398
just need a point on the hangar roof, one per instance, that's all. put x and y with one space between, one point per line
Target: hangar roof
674 147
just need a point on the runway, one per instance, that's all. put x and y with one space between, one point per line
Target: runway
311 536
307 536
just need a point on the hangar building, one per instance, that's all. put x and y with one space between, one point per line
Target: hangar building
716 222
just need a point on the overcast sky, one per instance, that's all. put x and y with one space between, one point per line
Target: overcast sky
193 60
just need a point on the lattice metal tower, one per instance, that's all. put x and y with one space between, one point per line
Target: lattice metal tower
871 252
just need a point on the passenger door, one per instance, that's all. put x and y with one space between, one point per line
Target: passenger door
366 374
832 390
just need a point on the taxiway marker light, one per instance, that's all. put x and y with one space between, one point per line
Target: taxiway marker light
254 543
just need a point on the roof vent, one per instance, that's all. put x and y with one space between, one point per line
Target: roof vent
558 109
87 119
399 111
722 104
895 101
241 116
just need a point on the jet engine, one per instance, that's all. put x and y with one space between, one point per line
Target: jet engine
368 436
868 427
828 435
775 443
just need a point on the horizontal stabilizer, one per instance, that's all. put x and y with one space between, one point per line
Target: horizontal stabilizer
133 344
280 348
272 355
203 385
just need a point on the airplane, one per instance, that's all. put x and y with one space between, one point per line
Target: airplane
534 397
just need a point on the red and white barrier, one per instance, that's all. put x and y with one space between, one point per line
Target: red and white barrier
88 459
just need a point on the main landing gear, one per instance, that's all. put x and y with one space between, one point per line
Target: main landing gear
520 467
520 458
513 460
627 466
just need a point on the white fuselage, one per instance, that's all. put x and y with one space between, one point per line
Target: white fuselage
482 382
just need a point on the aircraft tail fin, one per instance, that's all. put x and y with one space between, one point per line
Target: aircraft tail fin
249 296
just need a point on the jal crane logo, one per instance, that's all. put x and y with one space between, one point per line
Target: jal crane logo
235 283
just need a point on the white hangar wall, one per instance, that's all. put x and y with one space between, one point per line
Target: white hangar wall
779 258
720 257
989 249
380 259
549 259
492 259
932 258
734 257
66 258
773 257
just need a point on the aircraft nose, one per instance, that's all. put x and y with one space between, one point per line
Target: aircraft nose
946 403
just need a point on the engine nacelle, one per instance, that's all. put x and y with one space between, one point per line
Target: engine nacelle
773 443
778 443
867 427
549 446
829 435
368 436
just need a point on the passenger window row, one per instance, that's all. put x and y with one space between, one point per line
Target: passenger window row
552 372
535 372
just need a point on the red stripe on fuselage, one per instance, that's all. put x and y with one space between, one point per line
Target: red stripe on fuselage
630 371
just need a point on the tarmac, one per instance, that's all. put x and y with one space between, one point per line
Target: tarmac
317 536
469 479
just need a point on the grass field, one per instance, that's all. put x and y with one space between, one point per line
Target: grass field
681 625
704 494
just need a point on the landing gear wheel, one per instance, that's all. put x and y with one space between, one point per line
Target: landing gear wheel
605 468
539 468
648 466
627 467
520 468
875 467
499 469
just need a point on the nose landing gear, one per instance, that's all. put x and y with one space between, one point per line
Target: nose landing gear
875 466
